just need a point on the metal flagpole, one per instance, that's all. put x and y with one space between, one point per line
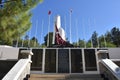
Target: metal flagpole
29 38
54 31
89 33
65 25
22 42
36 32
48 27
105 41
17 42
42 31
91 43
84 34
98 42
70 24
77 31
97 36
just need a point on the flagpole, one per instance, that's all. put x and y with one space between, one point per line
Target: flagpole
89 32
97 35
36 33
98 42
77 31
65 25
70 24
17 42
54 31
22 42
104 41
18 39
29 38
91 43
48 27
84 34
42 31
30 35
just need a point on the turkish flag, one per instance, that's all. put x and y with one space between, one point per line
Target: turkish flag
49 12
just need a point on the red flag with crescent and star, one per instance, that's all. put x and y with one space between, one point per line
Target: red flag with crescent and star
49 12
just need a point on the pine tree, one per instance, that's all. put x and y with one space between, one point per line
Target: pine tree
15 18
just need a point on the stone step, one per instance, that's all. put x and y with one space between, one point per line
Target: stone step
65 77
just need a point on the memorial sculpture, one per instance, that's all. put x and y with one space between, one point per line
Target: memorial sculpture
59 39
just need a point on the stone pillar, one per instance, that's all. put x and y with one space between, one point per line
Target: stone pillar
26 54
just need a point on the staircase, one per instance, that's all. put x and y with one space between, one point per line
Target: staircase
65 77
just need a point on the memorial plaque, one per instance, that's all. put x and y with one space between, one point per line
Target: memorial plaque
37 59
63 60
76 61
50 60
90 60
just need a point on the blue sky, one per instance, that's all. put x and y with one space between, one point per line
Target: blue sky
87 16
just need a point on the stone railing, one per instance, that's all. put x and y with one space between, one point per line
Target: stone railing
21 70
109 69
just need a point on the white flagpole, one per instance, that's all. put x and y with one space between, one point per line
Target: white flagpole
91 43
36 33
89 33
105 41
77 32
65 25
70 25
22 42
54 31
84 34
42 31
97 36
17 42
29 38
48 30
98 42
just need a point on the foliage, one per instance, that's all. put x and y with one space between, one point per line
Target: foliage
15 19
95 39
115 36
50 39
109 39
33 42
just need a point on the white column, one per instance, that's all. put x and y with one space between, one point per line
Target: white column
97 61
54 31
70 26
83 60
43 61
48 31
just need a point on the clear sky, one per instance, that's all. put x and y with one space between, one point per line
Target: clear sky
87 16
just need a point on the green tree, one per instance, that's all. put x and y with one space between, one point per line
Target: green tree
94 39
50 39
102 41
81 43
15 19
115 36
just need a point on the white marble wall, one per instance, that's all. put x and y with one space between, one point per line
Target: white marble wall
8 52
114 53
